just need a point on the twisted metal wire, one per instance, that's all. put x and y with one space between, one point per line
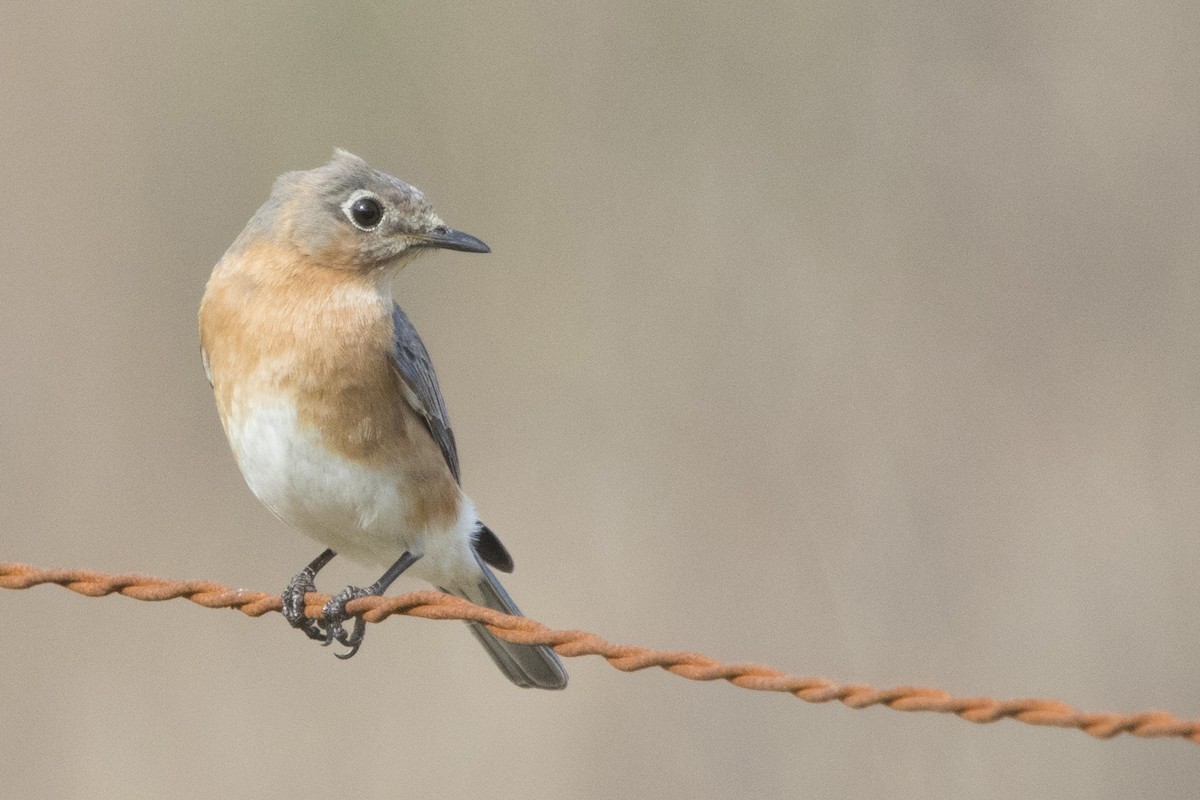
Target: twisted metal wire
628 658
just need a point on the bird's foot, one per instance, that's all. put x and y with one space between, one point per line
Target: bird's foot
293 604
334 614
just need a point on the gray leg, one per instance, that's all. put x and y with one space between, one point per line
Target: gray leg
335 610
293 596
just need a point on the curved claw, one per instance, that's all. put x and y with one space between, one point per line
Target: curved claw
328 628
334 615
355 639
293 605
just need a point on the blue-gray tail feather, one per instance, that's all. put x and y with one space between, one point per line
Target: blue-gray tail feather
525 665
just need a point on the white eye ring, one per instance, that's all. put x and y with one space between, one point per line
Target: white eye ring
364 210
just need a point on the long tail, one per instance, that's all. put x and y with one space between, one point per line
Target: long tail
525 665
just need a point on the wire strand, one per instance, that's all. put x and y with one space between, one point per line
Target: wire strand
627 658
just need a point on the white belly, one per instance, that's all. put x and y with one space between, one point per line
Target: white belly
357 510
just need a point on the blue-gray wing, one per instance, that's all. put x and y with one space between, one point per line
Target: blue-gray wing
421 386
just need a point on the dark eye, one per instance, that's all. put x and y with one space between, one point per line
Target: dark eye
366 212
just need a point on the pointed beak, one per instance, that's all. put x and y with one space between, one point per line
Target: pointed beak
450 239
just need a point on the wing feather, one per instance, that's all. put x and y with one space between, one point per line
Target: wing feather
415 368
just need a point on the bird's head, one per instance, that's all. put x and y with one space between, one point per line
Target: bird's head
346 215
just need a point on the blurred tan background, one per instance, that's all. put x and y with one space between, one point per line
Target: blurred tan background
859 339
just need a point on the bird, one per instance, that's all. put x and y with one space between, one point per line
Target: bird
331 406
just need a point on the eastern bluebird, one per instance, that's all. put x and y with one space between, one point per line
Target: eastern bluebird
330 403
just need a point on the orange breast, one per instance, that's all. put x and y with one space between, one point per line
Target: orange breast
274 329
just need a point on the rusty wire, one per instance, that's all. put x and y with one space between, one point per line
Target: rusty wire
628 658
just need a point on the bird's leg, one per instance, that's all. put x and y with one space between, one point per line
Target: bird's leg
293 596
335 610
